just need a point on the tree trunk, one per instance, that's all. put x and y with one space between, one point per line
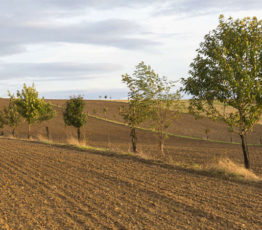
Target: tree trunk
13 132
133 139
245 150
28 132
161 143
47 132
78 134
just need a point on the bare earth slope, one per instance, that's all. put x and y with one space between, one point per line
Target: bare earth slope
48 187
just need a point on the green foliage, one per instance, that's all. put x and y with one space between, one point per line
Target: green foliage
31 107
11 114
2 120
150 97
46 112
74 114
137 110
228 69
138 107
159 93
164 100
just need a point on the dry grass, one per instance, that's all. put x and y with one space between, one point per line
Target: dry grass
44 139
73 141
229 168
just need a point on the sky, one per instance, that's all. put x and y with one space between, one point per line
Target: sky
82 47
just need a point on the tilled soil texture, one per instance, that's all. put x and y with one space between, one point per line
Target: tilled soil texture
51 187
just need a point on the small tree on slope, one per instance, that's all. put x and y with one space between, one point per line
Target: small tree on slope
74 114
32 108
150 97
11 114
136 111
228 69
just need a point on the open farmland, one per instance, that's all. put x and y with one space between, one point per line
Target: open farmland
51 187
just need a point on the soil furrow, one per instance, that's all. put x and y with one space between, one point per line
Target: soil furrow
49 193
105 189
57 188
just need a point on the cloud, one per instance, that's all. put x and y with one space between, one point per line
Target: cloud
203 7
54 71
122 34
46 5
7 48
27 22
44 9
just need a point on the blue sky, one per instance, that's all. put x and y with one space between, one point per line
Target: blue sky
68 47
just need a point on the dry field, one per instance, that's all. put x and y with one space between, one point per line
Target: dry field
50 187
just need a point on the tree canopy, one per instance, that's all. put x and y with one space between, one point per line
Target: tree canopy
31 107
74 114
11 114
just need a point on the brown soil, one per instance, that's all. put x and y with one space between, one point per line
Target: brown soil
49 187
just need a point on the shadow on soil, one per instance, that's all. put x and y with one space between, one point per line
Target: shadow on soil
159 163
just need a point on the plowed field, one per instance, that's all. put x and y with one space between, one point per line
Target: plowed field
50 187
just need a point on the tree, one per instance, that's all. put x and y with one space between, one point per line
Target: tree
207 130
11 114
161 99
228 70
2 122
46 113
136 111
31 107
151 97
74 114
105 109
165 107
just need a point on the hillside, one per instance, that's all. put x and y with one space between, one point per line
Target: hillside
185 125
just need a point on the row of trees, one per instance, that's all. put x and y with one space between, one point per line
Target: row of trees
27 105
226 70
